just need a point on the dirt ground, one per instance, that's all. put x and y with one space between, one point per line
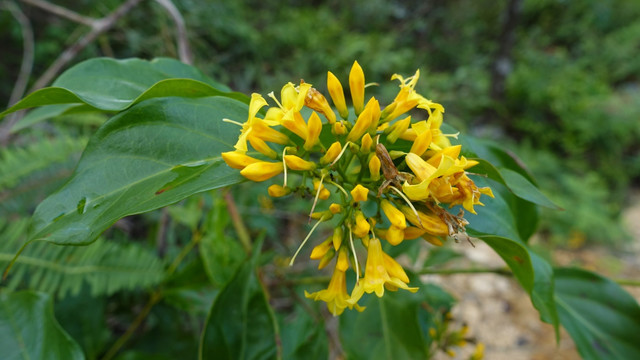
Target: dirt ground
500 314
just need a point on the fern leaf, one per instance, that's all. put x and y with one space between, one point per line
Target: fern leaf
105 266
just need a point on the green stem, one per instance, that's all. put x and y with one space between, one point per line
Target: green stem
627 282
499 271
238 224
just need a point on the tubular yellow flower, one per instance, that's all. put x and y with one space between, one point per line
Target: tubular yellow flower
394 131
394 235
314 129
394 215
374 167
316 101
337 94
380 271
452 152
264 132
297 163
335 295
262 170
332 153
359 193
276 190
356 86
237 160
361 125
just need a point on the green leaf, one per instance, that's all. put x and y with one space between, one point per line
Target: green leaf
388 329
303 337
241 324
115 85
152 155
602 318
522 188
28 329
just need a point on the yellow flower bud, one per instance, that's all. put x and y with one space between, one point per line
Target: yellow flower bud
362 226
321 249
375 114
429 222
394 131
332 153
316 101
324 193
335 208
343 260
276 191
359 193
421 144
261 146
237 160
374 167
356 85
394 215
262 170
326 259
365 146
337 94
395 235
361 125
297 163
338 128
314 129
412 232
338 234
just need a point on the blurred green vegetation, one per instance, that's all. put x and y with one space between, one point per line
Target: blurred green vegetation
555 81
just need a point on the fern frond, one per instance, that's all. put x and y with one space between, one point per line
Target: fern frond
16 163
105 266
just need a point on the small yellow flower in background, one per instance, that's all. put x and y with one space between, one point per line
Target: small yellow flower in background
411 183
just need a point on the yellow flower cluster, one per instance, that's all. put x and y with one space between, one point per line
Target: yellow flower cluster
347 153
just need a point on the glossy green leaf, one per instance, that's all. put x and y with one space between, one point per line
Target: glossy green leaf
602 318
241 324
29 330
114 85
154 154
388 329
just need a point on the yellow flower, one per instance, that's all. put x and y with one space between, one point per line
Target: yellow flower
276 190
362 124
332 153
262 170
336 295
237 160
430 223
313 133
381 271
337 94
297 163
365 145
356 85
316 101
362 227
398 128
395 216
374 167
256 103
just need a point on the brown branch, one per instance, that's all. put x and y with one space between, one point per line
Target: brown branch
184 51
62 12
97 27
25 68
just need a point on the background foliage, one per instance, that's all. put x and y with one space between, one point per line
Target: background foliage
553 81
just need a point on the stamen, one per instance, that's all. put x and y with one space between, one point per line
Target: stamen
305 241
408 203
355 257
455 136
315 201
233 122
273 96
284 164
346 145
